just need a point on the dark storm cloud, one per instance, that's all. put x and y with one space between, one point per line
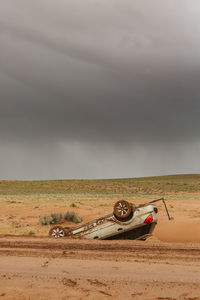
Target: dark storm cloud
98 76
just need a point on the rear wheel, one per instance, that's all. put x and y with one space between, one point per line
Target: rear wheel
122 209
57 232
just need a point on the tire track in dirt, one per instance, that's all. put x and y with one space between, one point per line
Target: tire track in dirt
93 269
152 251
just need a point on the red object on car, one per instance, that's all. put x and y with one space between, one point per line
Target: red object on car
149 219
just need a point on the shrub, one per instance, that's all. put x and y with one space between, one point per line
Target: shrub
44 221
72 217
31 232
55 218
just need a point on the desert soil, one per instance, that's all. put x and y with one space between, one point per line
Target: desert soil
42 268
167 266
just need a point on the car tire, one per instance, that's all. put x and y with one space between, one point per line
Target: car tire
122 209
57 232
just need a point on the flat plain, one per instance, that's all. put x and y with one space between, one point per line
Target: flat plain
33 266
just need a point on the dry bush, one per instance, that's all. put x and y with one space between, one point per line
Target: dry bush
56 218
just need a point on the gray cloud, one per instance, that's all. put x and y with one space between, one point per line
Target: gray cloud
99 89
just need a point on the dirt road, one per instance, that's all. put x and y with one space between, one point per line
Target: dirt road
42 268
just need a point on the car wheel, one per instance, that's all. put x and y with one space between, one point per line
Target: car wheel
122 209
57 232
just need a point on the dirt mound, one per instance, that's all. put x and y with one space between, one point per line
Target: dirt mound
178 231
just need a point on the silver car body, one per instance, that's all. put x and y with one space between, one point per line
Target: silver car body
109 227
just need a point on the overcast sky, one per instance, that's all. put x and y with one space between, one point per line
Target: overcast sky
99 88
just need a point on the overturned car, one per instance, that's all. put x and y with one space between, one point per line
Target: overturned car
127 221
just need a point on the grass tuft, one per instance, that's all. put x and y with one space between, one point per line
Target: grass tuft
72 217
69 216
31 232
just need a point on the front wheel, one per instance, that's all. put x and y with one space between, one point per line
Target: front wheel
57 232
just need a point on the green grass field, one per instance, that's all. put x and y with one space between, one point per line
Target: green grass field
126 186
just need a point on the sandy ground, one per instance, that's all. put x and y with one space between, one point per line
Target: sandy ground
42 268
167 266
